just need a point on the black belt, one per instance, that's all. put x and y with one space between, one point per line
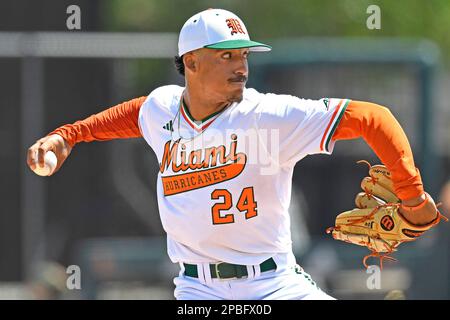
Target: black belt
225 270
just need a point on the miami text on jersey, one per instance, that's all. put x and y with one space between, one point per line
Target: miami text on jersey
206 166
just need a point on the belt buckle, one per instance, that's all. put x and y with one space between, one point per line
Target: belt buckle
216 267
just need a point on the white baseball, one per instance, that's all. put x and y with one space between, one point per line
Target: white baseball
50 165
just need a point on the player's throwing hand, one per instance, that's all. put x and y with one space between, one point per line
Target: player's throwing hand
55 143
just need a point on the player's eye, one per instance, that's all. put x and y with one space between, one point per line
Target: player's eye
246 54
226 55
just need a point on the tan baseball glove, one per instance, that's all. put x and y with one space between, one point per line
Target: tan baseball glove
376 223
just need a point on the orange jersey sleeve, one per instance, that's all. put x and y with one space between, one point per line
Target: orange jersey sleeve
118 122
382 132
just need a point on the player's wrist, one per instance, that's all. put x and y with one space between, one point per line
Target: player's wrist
416 203
422 213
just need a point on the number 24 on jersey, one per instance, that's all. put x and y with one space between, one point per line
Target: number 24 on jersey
245 204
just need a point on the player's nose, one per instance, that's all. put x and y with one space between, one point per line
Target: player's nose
242 70
241 67
240 74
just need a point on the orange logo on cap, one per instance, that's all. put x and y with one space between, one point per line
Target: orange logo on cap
235 26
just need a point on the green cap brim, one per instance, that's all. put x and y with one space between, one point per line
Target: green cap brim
238 44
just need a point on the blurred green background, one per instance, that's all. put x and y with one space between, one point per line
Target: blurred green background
287 18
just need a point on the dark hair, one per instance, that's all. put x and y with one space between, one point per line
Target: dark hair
179 64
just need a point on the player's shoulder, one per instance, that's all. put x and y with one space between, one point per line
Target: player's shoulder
256 100
278 103
162 100
165 95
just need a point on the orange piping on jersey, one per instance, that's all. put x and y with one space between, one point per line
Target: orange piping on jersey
382 132
329 124
118 122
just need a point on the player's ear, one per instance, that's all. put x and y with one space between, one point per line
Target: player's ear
190 61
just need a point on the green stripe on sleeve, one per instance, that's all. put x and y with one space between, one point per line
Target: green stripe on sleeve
341 113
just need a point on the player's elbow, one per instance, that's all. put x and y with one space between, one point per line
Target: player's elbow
370 111
383 111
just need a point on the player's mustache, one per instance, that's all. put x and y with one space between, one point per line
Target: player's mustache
240 78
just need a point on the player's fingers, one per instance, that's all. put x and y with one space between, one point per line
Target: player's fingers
42 150
32 155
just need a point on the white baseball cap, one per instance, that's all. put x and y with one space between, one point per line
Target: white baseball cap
216 29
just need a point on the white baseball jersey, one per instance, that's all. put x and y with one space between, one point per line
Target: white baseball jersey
224 185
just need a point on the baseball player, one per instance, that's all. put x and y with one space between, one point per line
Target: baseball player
226 155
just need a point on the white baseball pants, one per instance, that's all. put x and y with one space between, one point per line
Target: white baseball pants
287 282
